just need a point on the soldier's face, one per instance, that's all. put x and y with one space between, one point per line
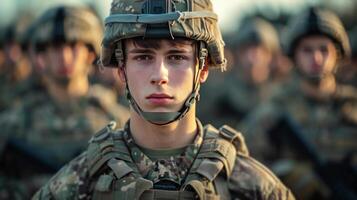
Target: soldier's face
254 61
67 61
316 56
160 73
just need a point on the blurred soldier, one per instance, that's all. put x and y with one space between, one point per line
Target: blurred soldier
16 68
52 126
163 50
325 110
254 46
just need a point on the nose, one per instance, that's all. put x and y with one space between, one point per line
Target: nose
66 55
159 75
318 57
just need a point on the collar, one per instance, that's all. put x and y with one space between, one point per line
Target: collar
173 169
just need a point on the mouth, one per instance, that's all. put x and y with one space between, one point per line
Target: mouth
65 70
159 98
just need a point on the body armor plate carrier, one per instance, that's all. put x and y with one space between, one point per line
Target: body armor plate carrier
113 174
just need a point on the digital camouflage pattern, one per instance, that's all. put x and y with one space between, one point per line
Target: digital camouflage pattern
173 169
58 130
249 179
42 121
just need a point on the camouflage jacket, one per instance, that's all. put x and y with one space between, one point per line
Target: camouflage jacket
61 130
248 180
329 123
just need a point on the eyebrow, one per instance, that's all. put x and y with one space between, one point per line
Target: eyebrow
141 50
150 51
178 51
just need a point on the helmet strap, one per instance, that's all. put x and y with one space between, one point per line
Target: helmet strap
119 54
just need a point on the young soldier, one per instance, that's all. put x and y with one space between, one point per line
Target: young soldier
163 50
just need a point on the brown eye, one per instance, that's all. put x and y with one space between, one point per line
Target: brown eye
143 58
177 57
323 49
307 49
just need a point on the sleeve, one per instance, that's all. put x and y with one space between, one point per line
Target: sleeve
252 180
65 184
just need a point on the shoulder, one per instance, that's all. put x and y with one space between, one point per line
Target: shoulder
65 184
74 177
252 180
107 100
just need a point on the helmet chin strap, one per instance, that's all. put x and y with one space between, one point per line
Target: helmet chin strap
164 118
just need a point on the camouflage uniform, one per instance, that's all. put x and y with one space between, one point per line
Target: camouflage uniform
216 165
249 179
328 122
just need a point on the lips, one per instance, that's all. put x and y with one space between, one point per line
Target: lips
65 70
316 68
159 98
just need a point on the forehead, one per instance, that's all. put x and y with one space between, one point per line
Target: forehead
315 40
159 43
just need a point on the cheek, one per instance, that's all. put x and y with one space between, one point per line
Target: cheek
182 79
303 60
330 62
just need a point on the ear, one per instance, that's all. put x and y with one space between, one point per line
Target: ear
91 57
204 74
121 74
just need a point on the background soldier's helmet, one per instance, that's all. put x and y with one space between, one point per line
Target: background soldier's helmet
192 19
257 31
69 24
316 21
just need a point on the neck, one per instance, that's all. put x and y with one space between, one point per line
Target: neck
69 92
324 89
174 135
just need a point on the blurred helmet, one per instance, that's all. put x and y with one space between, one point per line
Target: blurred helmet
68 24
257 31
192 19
315 21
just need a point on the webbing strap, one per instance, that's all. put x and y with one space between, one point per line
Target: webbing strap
159 18
167 194
119 167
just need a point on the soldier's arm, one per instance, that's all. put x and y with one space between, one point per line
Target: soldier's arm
65 184
252 180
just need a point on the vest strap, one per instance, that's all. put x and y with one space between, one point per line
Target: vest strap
119 167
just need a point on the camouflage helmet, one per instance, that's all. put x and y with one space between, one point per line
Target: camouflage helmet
315 21
257 31
69 24
192 19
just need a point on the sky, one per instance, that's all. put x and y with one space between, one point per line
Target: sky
229 11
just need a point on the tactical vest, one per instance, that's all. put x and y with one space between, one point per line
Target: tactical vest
112 174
